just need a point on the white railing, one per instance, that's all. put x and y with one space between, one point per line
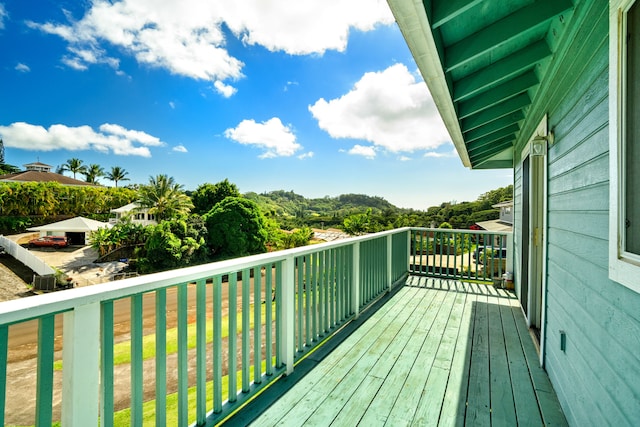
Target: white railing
461 254
238 324
286 303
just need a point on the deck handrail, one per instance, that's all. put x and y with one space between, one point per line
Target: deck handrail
315 290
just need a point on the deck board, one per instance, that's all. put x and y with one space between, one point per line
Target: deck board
437 353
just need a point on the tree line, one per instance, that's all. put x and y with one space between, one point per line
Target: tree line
216 221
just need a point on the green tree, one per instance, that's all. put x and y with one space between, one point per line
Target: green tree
236 227
117 174
174 244
357 224
93 172
164 198
208 195
74 166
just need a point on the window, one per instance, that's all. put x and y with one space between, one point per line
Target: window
624 67
631 150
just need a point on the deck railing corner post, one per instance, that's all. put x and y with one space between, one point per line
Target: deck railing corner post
287 347
81 361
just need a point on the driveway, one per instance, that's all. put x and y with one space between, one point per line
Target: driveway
78 263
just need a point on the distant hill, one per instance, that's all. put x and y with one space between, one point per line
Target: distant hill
292 210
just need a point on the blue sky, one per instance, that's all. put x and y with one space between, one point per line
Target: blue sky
321 97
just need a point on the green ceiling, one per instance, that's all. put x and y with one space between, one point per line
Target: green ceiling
483 62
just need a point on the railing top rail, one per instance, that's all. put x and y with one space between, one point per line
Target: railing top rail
40 305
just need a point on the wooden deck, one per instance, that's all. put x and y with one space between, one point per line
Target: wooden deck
437 353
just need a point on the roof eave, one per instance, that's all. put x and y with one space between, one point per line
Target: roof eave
416 30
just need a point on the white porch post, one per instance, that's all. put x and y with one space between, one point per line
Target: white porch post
288 315
81 370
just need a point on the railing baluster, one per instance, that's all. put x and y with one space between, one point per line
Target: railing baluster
161 357
183 355
314 296
299 300
217 344
106 365
257 328
268 287
322 304
307 298
136 360
201 351
44 382
233 336
279 324
246 329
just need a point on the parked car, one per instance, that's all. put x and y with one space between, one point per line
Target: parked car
49 242
483 253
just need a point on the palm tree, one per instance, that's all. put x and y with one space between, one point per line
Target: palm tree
164 198
74 166
93 172
117 174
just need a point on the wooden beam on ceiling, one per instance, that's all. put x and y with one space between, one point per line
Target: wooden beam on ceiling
497 94
500 71
503 31
495 164
500 110
493 126
489 153
488 141
446 10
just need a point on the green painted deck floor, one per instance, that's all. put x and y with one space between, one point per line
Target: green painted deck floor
437 353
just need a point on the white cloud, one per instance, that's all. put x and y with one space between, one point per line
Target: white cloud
23 68
3 15
109 139
180 148
276 139
439 155
223 89
132 135
364 151
286 87
172 105
186 38
404 158
307 155
389 109
303 27
183 37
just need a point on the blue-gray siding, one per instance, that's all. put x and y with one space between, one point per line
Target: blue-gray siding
597 378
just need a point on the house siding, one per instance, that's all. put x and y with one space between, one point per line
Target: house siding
597 377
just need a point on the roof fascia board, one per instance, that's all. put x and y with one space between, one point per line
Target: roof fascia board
421 42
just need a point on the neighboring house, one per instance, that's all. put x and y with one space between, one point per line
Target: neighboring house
40 172
133 212
549 89
78 230
504 222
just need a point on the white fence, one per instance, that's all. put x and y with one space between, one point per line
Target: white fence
25 257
